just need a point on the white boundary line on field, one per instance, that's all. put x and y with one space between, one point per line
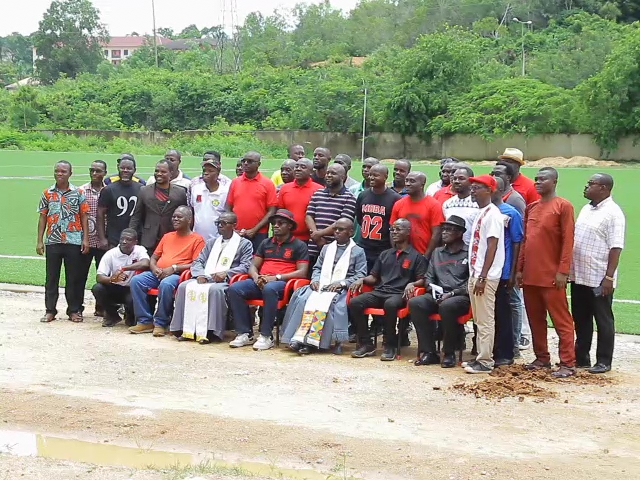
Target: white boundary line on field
27 257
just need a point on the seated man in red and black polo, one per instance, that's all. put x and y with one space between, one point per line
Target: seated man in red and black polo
396 274
278 259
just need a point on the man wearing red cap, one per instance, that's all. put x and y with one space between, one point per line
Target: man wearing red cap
543 269
521 184
486 260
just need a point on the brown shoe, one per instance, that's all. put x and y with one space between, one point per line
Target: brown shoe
141 328
537 365
159 331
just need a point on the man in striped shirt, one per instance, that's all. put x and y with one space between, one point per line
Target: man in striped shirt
326 207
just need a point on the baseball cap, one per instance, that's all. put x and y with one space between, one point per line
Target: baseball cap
487 180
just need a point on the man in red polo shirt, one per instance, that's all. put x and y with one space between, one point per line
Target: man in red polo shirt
252 197
295 196
424 213
521 184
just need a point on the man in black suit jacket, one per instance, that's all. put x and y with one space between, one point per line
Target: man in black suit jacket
156 204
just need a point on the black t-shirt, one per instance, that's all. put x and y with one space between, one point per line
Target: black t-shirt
396 268
318 180
120 200
373 212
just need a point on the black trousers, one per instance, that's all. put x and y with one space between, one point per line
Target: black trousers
503 344
391 303
449 310
95 255
585 306
71 256
111 297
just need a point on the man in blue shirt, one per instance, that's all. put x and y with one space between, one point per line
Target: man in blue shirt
503 350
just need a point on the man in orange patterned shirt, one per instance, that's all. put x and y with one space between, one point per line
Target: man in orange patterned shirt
64 213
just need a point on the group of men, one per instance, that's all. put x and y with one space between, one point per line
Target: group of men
185 255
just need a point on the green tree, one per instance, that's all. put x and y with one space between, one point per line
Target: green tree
24 108
69 40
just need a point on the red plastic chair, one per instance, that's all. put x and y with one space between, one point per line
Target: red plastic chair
186 275
290 287
403 313
461 320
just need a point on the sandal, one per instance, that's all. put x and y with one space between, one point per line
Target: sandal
48 318
537 365
75 317
564 372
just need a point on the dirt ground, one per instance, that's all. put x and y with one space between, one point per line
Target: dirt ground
557 162
379 420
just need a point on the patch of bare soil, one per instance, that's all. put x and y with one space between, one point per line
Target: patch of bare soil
577 161
516 381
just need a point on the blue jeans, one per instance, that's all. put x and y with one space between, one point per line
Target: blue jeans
166 288
517 310
239 292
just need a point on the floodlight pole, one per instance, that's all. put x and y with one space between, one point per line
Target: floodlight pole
528 22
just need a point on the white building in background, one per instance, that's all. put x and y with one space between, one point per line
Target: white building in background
119 48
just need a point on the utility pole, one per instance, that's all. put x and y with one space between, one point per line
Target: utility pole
155 36
522 24
364 120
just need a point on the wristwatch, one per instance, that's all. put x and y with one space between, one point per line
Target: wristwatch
343 284
278 277
175 268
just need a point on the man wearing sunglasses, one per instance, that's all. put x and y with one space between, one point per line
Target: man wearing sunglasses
252 197
277 260
91 190
200 312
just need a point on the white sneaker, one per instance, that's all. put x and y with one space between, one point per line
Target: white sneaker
241 340
263 343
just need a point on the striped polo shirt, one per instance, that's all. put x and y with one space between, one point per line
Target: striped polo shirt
326 208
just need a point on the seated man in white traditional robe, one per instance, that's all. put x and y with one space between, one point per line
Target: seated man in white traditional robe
317 315
201 307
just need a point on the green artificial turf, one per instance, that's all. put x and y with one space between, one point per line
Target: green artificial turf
22 195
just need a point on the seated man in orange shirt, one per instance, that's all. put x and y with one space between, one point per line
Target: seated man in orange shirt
174 254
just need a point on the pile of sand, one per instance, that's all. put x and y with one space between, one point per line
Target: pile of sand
572 162
515 381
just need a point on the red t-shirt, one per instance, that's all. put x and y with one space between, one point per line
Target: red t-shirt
295 198
250 198
444 194
525 187
423 215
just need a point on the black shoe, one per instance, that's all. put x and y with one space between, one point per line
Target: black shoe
366 350
427 359
353 338
389 354
295 346
502 362
600 368
110 322
449 361
304 350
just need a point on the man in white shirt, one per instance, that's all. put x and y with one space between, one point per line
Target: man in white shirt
114 274
435 186
462 205
486 260
598 242
177 176
207 196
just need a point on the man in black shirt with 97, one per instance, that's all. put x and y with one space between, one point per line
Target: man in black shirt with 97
396 274
116 204
373 212
449 269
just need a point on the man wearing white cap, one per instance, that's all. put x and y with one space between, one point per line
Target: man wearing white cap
207 196
521 184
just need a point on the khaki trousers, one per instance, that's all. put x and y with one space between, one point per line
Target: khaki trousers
484 307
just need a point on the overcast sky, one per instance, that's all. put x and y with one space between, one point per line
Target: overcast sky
126 16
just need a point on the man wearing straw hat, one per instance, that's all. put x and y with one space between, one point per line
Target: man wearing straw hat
520 183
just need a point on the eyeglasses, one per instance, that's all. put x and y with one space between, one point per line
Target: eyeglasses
95 170
279 222
475 186
248 160
222 223
450 229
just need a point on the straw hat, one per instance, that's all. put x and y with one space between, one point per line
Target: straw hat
513 154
